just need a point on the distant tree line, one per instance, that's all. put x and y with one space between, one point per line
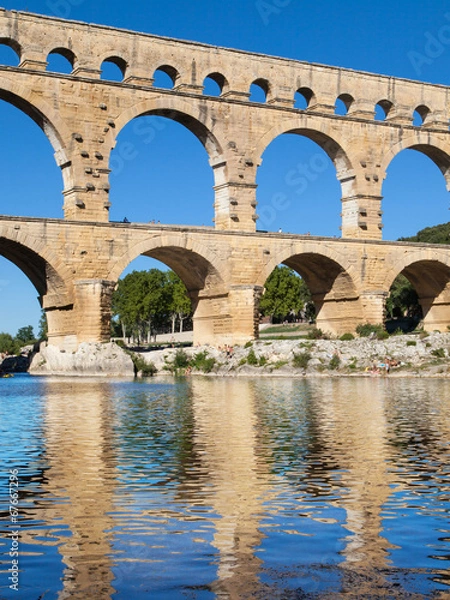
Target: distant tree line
13 344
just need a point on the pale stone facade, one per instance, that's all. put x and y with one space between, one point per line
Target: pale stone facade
75 263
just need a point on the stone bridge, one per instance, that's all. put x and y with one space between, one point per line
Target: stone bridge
75 262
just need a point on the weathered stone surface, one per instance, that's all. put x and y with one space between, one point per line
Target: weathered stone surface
106 360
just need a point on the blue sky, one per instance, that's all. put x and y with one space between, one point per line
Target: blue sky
162 183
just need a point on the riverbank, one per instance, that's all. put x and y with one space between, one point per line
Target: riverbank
420 355
417 355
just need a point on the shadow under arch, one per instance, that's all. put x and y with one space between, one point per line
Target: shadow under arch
431 280
332 287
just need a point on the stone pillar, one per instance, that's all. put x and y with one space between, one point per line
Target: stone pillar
93 310
361 217
373 306
60 321
227 318
436 312
337 316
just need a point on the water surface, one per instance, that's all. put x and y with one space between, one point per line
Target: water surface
208 488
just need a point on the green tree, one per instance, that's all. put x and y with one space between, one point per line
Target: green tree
25 335
180 305
141 302
403 299
285 292
43 326
8 344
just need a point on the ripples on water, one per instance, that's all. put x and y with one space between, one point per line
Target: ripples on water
218 488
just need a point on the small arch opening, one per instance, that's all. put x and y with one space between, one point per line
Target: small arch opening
61 60
343 104
165 77
302 98
259 91
10 52
214 84
113 69
420 114
382 110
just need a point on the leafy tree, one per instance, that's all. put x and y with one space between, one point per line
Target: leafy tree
43 326
8 344
180 306
25 335
285 292
438 234
403 299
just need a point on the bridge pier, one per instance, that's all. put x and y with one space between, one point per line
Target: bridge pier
227 317
373 306
92 310
337 316
436 313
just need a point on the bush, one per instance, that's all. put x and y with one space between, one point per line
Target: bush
438 352
411 343
248 345
181 360
347 337
368 329
300 361
334 363
262 361
203 363
315 334
251 358
140 366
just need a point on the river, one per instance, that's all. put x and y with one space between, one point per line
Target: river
204 488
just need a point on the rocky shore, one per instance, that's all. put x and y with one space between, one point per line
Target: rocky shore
419 355
423 355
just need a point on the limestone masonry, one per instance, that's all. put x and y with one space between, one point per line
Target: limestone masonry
75 263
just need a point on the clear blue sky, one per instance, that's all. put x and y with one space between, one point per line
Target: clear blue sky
380 37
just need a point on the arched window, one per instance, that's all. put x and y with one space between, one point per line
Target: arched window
165 77
214 84
343 103
259 90
113 69
61 60
10 52
420 114
303 97
382 109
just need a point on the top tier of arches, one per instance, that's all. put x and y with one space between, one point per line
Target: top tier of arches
98 52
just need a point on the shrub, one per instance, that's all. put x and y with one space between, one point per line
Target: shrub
411 343
248 344
334 363
438 352
315 334
251 358
347 337
368 329
181 360
300 361
262 361
140 366
203 363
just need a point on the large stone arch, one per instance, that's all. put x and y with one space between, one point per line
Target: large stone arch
429 273
193 115
324 135
331 281
46 117
51 279
204 274
429 144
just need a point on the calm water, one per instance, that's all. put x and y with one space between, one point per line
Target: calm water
218 488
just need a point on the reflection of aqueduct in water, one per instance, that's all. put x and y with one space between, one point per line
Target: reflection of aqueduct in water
74 263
